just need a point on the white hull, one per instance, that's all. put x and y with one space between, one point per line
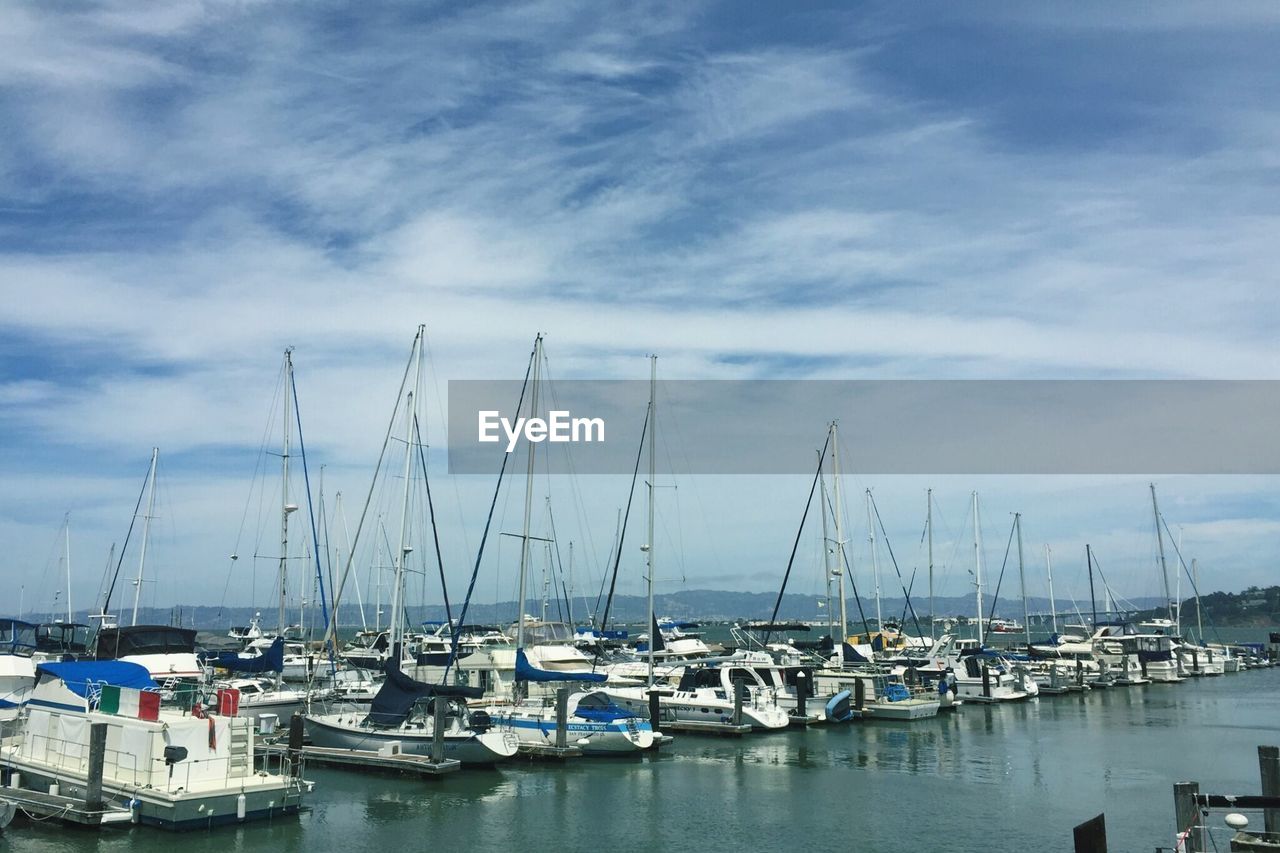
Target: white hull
343 731
701 706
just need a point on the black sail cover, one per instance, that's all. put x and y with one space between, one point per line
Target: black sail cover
398 694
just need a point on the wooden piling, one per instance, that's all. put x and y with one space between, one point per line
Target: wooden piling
1091 836
437 731
1187 814
97 760
739 695
1269 767
295 744
562 717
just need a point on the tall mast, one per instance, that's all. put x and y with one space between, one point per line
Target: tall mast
67 534
1053 606
875 563
653 429
285 507
1195 579
826 553
1164 571
396 622
1022 577
840 560
1093 600
146 530
977 563
568 593
928 523
528 492
1177 588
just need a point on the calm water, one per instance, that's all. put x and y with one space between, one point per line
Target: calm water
987 778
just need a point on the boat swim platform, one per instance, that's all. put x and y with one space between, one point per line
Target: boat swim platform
42 806
799 721
707 727
370 760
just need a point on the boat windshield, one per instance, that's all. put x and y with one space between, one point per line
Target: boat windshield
17 638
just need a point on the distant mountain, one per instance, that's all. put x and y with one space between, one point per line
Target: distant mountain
692 604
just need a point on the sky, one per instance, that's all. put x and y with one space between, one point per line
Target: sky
846 190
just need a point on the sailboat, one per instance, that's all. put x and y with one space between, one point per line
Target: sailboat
594 723
702 696
404 710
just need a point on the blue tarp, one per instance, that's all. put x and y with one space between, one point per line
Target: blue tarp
272 660
526 671
81 676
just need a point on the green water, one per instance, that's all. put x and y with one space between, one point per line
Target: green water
1013 777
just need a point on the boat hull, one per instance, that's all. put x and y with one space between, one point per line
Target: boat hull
342 731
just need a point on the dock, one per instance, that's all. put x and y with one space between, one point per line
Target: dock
41 806
707 727
366 760
547 752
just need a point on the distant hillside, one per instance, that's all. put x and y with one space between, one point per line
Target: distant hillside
1255 607
699 604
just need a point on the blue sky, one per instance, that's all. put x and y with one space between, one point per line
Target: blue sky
750 190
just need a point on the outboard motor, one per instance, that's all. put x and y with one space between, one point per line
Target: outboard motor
481 722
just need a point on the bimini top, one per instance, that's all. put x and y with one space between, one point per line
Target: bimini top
17 637
86 677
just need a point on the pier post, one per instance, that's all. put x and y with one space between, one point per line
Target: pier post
1079 673
655 709
802 692
986 681
562 717
295 745
859 693
1091 836
1269 767
97 759
437 730
739 693
1187 814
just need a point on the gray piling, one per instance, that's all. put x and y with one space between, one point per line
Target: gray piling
739 694
97 760
295 744
802 692
437 731
562 717
1091 836
655 709
1269 767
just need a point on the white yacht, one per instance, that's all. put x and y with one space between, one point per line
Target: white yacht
167 653
594 724
706 694
980 674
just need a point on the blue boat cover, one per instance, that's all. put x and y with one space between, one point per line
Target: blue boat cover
526 671
81 677
272 660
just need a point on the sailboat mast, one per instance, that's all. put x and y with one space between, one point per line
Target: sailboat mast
1164 571
396 621
1177 588
1093 599
875 563
826 553
528 493
928 523
653 429
977 564
1053 606
1022 578
1195 579
67 546
284 494
146 530
840 560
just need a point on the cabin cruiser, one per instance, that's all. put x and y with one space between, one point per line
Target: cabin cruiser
17 667
167 653
1004 626
1198 659
979 674
163 766
705 694
1121 645
436 647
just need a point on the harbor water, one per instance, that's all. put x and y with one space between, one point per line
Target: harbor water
1009 777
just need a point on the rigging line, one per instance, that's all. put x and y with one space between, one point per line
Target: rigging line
559 563
786 576
484 538
435 535
106 603
1194 587
617 529
440 406
332 628
909 606
671 409
311 516
622 535
1000 580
